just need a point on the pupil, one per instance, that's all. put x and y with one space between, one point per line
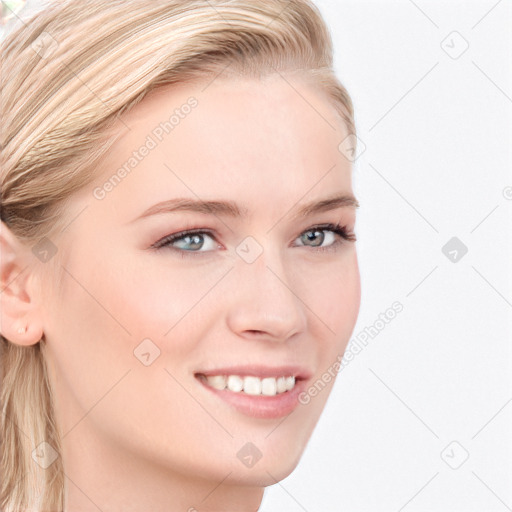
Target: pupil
315 234
194 240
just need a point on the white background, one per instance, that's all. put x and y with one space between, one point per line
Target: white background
434 387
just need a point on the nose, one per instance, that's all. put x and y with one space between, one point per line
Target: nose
263 303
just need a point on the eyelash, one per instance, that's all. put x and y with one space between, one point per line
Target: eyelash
338 229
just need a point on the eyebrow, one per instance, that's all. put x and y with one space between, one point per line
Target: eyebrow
232 209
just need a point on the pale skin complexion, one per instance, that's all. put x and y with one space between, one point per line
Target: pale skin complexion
139 437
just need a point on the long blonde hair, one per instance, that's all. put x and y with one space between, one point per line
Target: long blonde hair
67 75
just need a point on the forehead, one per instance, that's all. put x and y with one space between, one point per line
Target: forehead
246 111
272 139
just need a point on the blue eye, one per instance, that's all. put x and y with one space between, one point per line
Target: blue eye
188 242
317 235
191 241
201 241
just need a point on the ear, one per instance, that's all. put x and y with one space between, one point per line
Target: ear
20 314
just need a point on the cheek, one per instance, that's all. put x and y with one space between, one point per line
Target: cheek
88 341
102 315
332 293
95 320
162 295
142 293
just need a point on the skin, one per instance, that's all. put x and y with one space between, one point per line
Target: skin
139 437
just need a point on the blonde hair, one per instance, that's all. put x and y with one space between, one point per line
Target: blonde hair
66 77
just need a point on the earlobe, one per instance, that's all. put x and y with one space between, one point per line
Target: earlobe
20 316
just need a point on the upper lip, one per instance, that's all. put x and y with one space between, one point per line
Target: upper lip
299 372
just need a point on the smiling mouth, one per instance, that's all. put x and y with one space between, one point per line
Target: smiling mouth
250 385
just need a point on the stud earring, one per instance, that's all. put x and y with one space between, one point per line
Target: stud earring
22 330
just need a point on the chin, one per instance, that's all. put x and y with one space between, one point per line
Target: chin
258 462
263 476
279 458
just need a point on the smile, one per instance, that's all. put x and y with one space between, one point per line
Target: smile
258 391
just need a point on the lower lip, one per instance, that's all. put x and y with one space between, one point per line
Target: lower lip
259 406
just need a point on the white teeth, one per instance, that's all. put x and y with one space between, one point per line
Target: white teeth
252 386
268 386
235 383
217 382
281 384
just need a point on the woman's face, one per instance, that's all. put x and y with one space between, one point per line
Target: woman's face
139 333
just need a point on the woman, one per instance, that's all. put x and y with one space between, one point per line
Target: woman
179 270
